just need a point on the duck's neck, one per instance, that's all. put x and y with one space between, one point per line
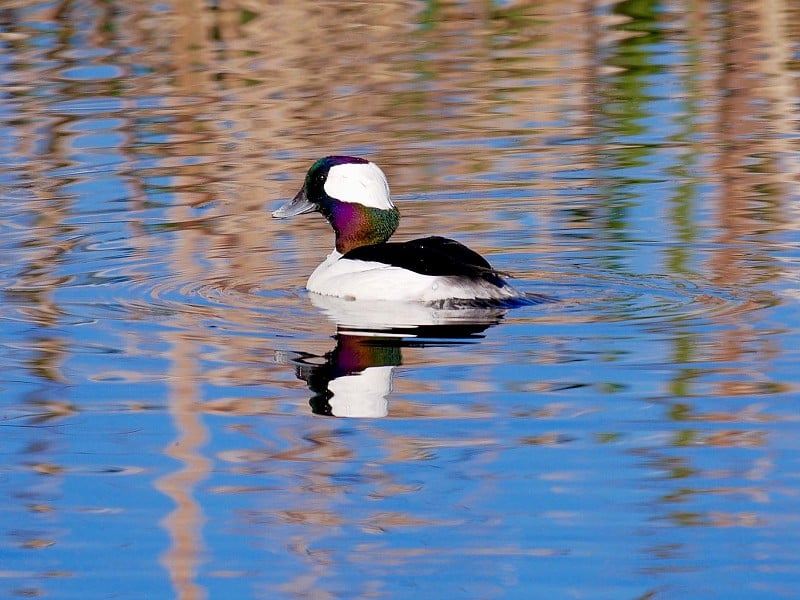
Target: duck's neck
357 225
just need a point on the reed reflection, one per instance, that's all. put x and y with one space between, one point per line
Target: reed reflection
354 379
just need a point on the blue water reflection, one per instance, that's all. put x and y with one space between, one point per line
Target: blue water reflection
637 161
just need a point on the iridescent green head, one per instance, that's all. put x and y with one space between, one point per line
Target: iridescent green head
353 195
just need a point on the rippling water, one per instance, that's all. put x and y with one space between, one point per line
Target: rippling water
167 387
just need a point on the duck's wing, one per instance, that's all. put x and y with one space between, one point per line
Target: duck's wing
435 255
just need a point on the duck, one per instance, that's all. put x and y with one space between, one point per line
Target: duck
352 193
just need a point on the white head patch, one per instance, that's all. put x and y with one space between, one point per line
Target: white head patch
362 183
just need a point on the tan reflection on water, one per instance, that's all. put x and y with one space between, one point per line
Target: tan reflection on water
753 201
185 522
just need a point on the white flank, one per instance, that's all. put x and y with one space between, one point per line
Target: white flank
362 183
365 280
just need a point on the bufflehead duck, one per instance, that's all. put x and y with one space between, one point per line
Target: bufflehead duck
353 195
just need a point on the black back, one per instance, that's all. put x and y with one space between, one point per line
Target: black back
434 255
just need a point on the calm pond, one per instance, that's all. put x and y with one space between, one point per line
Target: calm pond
181 419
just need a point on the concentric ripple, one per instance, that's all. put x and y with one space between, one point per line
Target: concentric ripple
592 295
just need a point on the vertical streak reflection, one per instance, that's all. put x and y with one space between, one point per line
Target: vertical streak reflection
184 524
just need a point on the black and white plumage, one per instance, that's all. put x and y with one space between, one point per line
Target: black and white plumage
434 255
353 195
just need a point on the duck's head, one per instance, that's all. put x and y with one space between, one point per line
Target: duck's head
353 195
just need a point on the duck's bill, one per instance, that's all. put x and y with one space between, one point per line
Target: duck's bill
296 206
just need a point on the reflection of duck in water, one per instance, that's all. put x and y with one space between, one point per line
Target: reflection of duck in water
355 378
353 195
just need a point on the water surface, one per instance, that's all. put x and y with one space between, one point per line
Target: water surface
168 388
